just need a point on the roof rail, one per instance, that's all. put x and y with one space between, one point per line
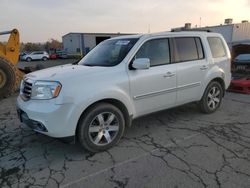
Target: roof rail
180 30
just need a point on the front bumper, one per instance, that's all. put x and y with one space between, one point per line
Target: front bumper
47 117
35 125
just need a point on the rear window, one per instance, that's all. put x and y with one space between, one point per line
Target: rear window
189 48
217 47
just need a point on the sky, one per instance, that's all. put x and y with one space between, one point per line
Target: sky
40 20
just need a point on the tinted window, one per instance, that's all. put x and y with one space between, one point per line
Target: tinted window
187 49
199 48
217 47
156 50
37 53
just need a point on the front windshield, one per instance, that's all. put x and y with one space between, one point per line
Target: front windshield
109 53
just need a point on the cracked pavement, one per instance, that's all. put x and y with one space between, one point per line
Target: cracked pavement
180 147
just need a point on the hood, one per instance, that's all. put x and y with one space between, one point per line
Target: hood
62 72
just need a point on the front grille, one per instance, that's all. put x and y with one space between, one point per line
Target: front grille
26 90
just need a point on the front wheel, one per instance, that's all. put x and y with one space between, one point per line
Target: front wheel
101 127
28 59
212 98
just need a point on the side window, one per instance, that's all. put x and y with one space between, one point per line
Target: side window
217 47
199 48
37 53
156 50
189 48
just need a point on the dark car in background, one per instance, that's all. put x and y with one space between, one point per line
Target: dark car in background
58 54
61 54
242 63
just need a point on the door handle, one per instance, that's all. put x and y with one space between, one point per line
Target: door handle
204 67
168 75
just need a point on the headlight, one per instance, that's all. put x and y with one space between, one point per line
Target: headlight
45 90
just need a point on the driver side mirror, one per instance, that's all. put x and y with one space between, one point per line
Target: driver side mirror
141 63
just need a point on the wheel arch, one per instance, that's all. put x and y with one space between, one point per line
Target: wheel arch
117 103
215 74
222 83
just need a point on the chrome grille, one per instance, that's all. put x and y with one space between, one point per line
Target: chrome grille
26 89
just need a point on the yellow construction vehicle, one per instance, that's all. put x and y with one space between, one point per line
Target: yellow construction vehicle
10 76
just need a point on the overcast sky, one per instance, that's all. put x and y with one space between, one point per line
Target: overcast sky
39 20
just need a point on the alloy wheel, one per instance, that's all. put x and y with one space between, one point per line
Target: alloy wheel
103 128
213 98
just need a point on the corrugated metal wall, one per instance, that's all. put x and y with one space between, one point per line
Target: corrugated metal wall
241 32
72 43
225 30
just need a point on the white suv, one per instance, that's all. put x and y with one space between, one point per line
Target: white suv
37 55
124 78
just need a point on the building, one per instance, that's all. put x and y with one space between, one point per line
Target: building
82 43
233 33
236 35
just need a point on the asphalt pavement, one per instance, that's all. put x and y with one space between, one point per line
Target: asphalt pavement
177 148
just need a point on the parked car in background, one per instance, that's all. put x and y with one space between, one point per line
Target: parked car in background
61 54
122 79
242 63
58 54
22 54
53 56
36 55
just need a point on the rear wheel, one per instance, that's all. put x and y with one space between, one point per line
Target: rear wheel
9 78
44 58
212 98
101 127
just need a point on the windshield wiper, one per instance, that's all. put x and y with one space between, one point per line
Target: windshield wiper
75 63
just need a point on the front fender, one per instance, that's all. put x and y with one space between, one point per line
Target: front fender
93 97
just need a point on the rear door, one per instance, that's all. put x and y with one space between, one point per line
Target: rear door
154 88
191 68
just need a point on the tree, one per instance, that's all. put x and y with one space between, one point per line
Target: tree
32 47
53 44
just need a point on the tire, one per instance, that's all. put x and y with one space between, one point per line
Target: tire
9 78
28 59
101 127
44 58
212 98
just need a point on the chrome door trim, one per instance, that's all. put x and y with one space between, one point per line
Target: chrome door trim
188 86
156 93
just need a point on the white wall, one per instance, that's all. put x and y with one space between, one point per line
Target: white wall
71 42
225 30
241 32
